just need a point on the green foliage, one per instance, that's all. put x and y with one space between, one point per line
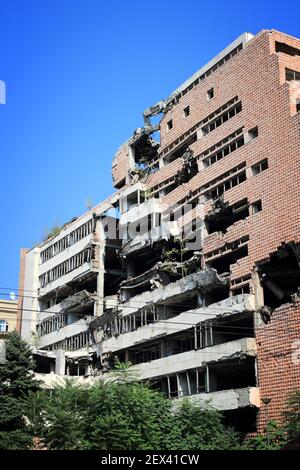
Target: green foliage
125 415
274 438
122 414
292 416
201 428
16 383
123 372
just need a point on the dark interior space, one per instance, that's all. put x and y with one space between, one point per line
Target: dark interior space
223 216
280 276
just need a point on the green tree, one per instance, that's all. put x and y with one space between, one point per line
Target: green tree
292 416
16 383
125 415
273 438
200 427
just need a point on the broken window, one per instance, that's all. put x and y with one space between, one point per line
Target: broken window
224 257
259 167
280 276
253 133
223 216
186 111
256 207
210 94
232 374
74 236
221 118
223 152
229 183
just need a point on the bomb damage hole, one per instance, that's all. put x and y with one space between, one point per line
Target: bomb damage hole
280 276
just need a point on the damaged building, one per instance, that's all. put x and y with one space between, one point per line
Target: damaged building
196 281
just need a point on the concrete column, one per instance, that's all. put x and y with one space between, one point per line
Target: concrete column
60 362
129 269
99 240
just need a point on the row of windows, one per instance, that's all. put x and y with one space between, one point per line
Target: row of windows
221 119
225 186
52 323
73 343
70 264
226 247
224 151
286 49
222 177
73 237
231 106
219 150
131 322
227 180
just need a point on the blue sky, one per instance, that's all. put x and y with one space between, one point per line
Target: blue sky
78 74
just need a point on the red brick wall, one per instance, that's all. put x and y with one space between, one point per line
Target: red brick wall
256 76
278 351
120 165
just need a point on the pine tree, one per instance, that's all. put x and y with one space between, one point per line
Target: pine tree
16 382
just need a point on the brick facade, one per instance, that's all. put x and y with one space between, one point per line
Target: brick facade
255 77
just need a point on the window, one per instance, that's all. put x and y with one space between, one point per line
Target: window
170 124
259 167
298 106
210 94
3 326
223 151
253 133
292 75
221 118
286 49
256 206
186 111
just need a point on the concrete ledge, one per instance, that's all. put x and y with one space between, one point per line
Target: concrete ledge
193 359
227 399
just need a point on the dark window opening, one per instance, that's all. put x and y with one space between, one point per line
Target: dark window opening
292 75
221 119
186 111
233 327
280 276
242 419
253 133
256 207
210 94
170 124
223 216
43 365
244 289
182 149
286 49
235 374
259 167
222 263
217 294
